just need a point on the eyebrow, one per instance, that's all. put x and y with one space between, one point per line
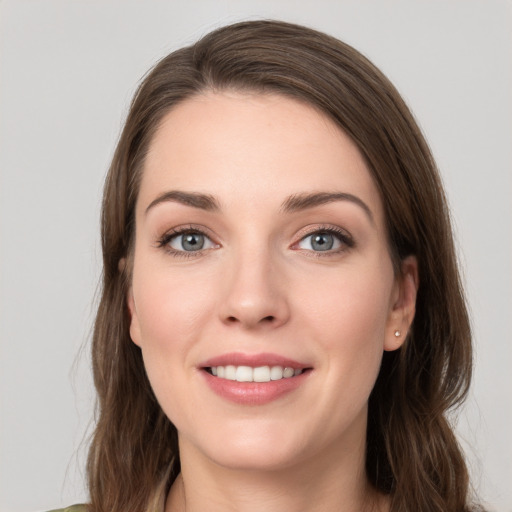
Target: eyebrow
298 202
196 200
294 203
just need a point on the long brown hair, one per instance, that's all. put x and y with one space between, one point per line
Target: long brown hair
412 453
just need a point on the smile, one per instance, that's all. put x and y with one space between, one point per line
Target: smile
250 374
254 379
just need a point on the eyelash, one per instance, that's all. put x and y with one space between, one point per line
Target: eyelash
346 240
165 240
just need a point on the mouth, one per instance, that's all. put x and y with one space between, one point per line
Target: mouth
254 374
254 379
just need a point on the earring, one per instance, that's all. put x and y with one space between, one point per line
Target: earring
397 333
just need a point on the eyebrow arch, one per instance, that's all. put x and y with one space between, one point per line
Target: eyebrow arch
304 201
194 199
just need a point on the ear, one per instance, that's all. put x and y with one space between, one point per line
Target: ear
130 302
403 304
134 320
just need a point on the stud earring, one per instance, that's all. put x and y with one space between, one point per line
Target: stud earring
397 333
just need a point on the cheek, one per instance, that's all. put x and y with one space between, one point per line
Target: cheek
171 312
352 304
170 307
347 316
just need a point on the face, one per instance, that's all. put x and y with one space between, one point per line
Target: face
263 294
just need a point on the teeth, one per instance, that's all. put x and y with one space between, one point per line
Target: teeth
288 372
261 374
244 374
258 374
276 373
230 372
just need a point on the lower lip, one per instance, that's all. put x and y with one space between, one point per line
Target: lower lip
253 393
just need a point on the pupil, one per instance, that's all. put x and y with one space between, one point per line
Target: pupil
193 242
322 242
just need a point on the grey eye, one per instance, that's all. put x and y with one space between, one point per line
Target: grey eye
190 242
320 241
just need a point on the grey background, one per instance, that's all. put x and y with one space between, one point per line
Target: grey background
67 72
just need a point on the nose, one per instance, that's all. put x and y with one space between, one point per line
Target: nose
255 293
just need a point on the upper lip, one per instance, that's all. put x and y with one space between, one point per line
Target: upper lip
253 360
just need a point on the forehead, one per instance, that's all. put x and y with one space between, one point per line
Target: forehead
253 147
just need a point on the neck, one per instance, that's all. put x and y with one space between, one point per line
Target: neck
338 484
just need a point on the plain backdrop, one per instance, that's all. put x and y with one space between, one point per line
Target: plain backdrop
67 73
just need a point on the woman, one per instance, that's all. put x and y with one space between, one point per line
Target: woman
282 325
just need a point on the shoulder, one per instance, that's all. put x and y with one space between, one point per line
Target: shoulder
73 508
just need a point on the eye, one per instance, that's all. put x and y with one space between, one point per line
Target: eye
190 241
186 241
325 240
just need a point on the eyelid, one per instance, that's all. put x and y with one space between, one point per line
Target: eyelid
343 236
164 240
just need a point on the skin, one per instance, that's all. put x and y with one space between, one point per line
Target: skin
259 285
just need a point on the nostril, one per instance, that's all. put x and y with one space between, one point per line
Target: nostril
266 319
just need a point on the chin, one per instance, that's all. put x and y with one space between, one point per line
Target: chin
243 449
256 457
